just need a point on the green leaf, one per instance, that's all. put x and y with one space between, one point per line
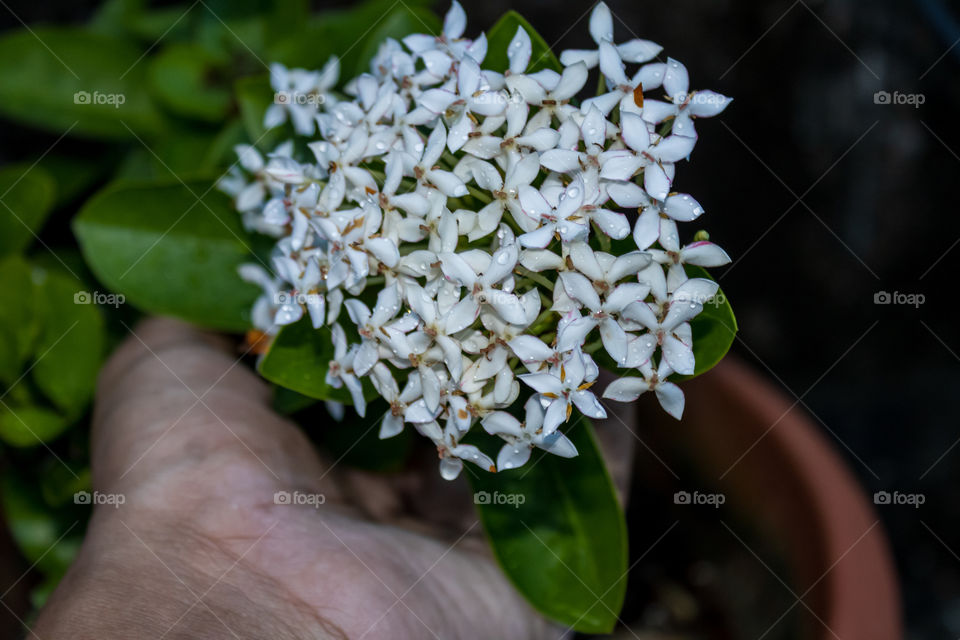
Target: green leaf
288 401
400 22
71 344
498 41
254 96
75 175
184 78
714 329
169 252
59 78
29 426
26 197
565 546
245 27
344 33
356 442
36 527
17 329
184 152
298 359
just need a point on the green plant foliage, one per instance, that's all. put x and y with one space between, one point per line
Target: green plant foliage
184 78
27 195
714 329
560 536
62 78
170 249
498 41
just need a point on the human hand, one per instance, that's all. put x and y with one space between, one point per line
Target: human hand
199 549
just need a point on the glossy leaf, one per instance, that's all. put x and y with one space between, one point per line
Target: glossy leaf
714 329
17 307
71 343
170 249
183 77
499 37
345 33
355 441
59 78
401 21
29 426
254 95
298 359
27 195
565 546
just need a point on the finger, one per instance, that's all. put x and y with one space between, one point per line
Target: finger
173 396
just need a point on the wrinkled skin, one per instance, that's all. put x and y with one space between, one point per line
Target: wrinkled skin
200 549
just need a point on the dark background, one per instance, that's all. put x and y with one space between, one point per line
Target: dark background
823 198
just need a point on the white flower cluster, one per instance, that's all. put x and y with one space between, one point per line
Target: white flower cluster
468 221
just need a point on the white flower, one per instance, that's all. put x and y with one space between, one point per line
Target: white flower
669 324
374 327
340 370
568 385
683 105
582 287
629 389
423 166
484 213
601 30
558 217
299 92
480 282
521 437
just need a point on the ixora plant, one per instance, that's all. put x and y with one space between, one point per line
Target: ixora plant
464 225
443 241
457 231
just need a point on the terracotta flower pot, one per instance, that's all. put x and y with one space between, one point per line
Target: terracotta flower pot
784 479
